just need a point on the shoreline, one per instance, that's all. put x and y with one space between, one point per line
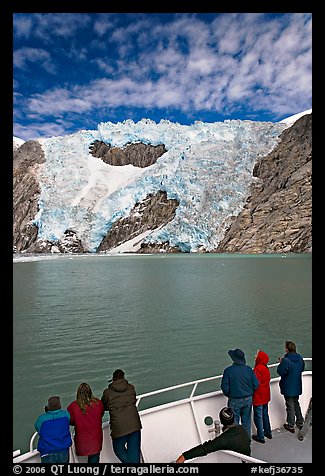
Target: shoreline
24 257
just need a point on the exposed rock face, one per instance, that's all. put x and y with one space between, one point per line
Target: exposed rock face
151 213
138 154
277 217
26 160
69 244
161 248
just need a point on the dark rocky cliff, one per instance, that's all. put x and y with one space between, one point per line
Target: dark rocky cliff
153 212
138 154
277 217
26 192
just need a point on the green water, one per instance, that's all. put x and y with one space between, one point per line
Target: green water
163 319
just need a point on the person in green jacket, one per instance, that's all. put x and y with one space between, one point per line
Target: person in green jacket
233 437
119 399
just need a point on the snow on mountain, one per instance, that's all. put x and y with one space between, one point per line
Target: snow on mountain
292 119
17 142
207 168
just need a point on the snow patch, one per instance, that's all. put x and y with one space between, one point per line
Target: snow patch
289 121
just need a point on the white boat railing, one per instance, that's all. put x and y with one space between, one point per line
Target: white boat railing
31 443
194 383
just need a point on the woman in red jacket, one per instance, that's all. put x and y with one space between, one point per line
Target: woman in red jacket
261 398
86 414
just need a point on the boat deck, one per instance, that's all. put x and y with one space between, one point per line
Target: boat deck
295 451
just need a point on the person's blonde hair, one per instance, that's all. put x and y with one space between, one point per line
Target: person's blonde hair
85 396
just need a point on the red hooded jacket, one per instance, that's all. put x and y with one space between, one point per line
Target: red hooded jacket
262 394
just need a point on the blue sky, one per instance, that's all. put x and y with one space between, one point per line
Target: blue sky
75 70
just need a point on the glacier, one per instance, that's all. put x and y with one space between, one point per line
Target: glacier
208 168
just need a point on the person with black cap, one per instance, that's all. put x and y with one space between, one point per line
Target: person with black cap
119 399
239 383
233 437
54 433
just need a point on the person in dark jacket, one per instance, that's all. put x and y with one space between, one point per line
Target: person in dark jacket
261 398
119 398
233 437
238 383
290 369
86 414
54 433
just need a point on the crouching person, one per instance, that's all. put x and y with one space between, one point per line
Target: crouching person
233 437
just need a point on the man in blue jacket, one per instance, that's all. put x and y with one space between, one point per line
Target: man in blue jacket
290 369
238 383
53 428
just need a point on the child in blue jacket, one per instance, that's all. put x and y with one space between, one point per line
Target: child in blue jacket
53 428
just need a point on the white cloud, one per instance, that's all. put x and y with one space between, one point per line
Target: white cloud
37 130
49 26
58 101
102 25
103 65
22 26
26 55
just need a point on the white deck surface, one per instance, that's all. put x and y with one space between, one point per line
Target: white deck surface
295 451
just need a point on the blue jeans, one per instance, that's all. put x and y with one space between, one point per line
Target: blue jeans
58 457
242 408
127 448
262 421
294 414
93 458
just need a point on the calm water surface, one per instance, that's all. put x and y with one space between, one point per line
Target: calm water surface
164 319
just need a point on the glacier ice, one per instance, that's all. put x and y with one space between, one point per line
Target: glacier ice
207 168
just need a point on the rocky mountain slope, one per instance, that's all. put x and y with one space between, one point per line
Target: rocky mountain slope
277 217
237 186
26 193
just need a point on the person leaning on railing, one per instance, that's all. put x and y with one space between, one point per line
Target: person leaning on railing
86 413
54 433
119 399
233 437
